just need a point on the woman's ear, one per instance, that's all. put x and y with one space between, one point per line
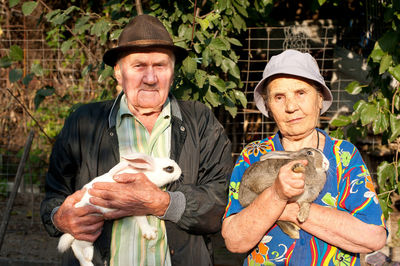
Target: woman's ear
320 100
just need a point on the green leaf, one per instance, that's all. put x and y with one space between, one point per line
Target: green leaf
115 34
42 94
354 88
232 110
380 124
239 95
377 53
15 75
217 83
27 79
87 69
100 27
70 9
395 72
386 62
385 173
394 127
200 76
385 208
189 65
16 53
338 133
82 24
218 44
204 23
37 69
341 121
13 3
59 19
238 22
389 41
52 14
212 98
105 73
397 102
66 46
240 8
5 62
234 41
28 7
369 114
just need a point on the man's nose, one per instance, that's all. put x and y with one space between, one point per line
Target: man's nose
150 76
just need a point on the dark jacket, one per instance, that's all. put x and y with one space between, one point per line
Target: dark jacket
87 147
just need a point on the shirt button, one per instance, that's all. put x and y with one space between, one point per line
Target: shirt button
111 134
172 252
182 128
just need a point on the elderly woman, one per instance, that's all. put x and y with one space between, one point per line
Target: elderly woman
345 219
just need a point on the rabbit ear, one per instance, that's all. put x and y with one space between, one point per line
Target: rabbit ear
277 155
139 161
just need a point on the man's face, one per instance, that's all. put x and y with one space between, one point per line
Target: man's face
146 78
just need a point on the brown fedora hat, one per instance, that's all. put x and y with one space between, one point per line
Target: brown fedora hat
143 31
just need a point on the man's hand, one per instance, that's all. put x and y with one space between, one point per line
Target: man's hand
289 184
84 223
132 195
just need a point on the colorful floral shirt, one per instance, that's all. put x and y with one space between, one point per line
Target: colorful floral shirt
348 188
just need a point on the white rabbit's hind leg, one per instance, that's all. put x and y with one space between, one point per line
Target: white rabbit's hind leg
65 242
83 251
149 232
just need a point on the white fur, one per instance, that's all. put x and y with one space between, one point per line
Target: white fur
153 168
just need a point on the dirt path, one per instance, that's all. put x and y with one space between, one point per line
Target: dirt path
27 243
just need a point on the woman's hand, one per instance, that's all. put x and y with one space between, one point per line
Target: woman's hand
289 184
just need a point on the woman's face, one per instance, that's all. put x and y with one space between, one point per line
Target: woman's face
295 105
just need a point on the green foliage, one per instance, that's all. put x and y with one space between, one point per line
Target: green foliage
381 114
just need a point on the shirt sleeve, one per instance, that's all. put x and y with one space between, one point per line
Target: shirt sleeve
356 190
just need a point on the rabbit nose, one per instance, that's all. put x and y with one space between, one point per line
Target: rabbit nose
169 169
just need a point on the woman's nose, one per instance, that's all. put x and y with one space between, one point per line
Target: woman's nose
150 76
291 104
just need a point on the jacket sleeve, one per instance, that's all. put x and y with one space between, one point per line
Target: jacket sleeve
208 158
60 177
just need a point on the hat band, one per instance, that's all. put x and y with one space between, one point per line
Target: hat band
148 42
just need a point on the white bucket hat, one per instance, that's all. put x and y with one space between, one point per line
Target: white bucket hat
295 63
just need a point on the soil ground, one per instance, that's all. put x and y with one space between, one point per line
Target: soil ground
27 243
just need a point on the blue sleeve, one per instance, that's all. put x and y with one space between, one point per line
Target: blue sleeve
356 190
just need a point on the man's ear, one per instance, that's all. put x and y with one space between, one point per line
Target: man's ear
117 73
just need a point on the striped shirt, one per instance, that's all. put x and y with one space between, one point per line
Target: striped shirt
128 247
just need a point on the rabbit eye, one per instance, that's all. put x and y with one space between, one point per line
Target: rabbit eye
309 153
169 169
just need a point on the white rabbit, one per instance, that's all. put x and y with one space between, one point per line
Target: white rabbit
160 171
262 175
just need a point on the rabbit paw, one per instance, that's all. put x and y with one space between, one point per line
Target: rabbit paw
298 168
149 233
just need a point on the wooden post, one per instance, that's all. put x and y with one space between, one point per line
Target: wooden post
18 178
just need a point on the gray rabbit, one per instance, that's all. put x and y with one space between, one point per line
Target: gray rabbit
262 174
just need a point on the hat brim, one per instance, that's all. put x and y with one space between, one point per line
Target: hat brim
111 56
259 100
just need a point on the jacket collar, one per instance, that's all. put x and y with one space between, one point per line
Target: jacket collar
112 117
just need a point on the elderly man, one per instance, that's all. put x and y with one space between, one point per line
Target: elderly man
145 118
